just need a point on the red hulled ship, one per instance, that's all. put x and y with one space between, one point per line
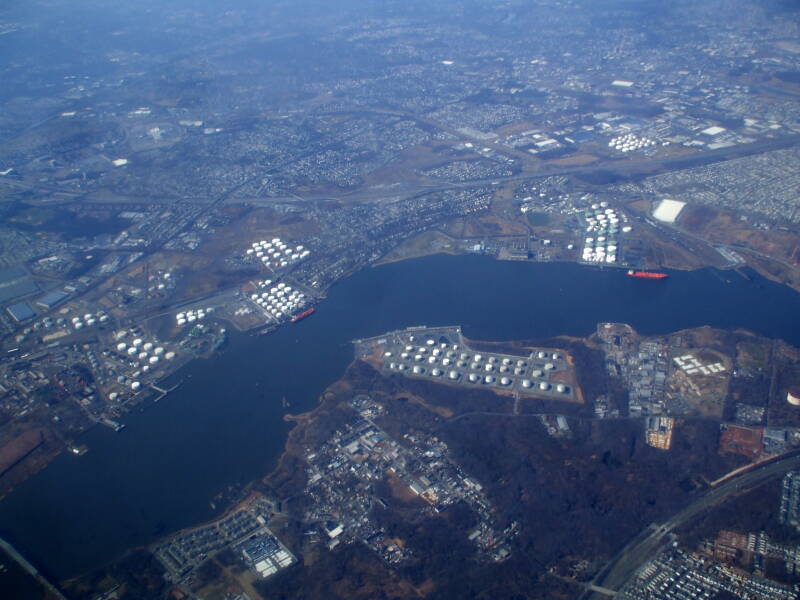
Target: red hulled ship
302 315
646 275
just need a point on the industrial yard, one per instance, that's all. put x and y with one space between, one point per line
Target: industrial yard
442 354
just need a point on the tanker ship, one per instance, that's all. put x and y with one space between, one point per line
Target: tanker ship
646 275
302 315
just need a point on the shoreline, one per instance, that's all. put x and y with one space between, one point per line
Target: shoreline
292 448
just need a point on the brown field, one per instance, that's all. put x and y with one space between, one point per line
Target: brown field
424 244
741 440
400 489
439 410
492 225
17 448
774 253
574 161
515 128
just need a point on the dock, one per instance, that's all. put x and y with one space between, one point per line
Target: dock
162 393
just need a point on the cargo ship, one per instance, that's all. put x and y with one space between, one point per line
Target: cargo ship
302 315
646 275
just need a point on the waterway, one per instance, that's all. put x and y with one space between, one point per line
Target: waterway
224 425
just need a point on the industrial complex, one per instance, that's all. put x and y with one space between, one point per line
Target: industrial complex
442 354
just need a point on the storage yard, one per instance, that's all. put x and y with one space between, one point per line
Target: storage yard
275 254
442 354
603 232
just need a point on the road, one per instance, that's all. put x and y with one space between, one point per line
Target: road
645 545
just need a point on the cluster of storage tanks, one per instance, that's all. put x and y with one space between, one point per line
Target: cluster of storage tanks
89 320
279 300
630 142
132 383
276 252
190 316
144 354
446 361
603 225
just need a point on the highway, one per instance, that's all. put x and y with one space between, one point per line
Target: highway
646 545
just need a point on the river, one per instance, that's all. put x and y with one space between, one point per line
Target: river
224 425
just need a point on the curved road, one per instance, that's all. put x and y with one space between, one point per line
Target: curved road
644 546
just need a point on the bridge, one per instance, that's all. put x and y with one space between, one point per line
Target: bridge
52 590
